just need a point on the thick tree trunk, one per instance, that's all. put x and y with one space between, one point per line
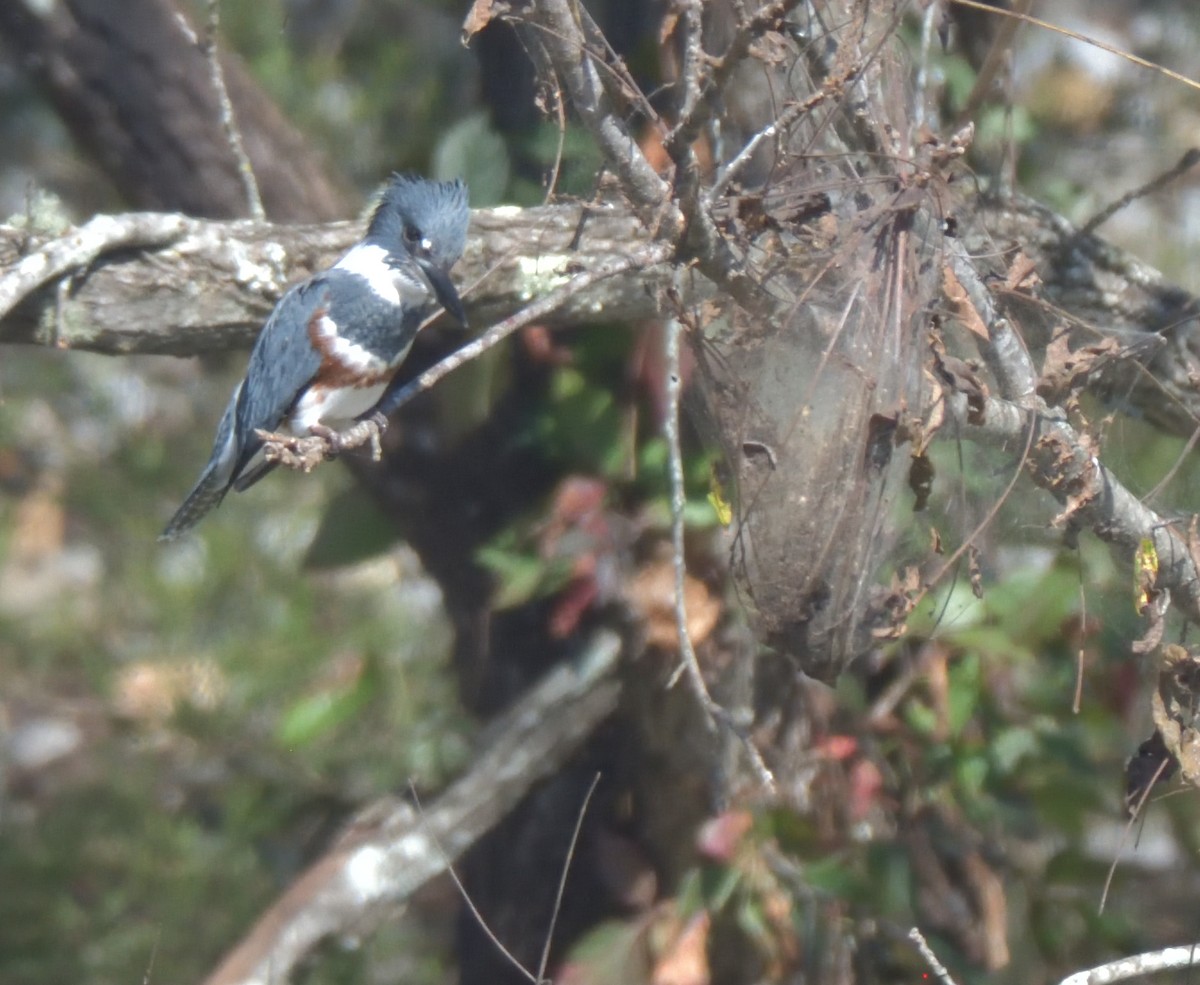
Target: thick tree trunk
132 83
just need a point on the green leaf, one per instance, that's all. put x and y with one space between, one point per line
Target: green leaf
353 529
718 884
315 714
613 953
971 772
519 575
966 677
473 151
833 876
1012 745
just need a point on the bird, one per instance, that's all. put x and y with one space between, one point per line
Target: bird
329 349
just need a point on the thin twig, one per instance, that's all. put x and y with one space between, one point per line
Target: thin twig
228 121
562 880
931 959
1190 159
689 665
490 934
767 17
691 71
833 87
648 256
1077 36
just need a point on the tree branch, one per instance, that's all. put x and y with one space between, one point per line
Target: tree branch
1099 290
563 41
165 284
1138 966
1062 462
151 283
390 851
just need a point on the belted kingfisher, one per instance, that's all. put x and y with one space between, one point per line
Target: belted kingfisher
330 347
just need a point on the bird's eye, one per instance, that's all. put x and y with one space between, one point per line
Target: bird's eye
412 235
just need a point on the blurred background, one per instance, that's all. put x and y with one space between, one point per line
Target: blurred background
183 727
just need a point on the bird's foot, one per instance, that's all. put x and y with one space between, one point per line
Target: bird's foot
366 431
322 443
302 454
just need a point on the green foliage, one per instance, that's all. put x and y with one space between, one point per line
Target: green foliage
231 701
473 151
588 425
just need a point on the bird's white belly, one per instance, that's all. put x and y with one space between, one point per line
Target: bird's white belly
335 408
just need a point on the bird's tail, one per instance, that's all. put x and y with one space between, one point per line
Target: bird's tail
205 495
214 481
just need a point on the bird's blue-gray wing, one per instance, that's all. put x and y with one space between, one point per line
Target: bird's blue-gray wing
282 363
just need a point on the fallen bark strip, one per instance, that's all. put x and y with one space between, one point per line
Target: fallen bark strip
391 850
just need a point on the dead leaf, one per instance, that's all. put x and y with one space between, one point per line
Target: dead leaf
1173 708
920 480
960 304
975 571
837 747
1065 372
961 377
150 691
937 680
39 526
771 48
1021 274
571 605
987 888
482 13
651 593
685 961
719 837
866 784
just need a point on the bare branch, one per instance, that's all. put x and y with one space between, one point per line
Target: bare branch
80 248
1062 463
716 715
564 43
390 851
166 284
931 959
1168 959
228 121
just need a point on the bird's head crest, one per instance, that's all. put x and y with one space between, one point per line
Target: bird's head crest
415 211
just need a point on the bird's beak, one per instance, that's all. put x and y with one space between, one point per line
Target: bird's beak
444 290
